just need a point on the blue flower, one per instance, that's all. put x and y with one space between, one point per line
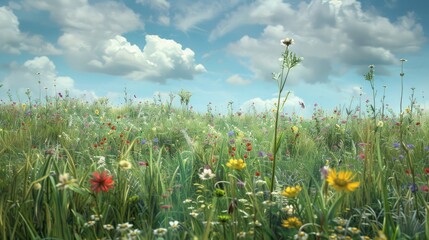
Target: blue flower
143 141
396 145
155 140
410 146
230 133
413 187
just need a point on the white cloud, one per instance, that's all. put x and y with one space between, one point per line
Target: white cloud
93 40
40 73
161 8
12 40
263 105
189 15
236 79
333 37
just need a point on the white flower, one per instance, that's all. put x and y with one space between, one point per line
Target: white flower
287 41
207 174
122 227
301 236
133 234
65 180
160 231
174 224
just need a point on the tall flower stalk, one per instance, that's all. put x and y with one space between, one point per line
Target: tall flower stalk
289 61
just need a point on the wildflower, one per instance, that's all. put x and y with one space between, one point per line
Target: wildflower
144 164
224 218
96 217
424 188
125 165
174 225
287 42
187 200
241 234
101 181
380 124
97 112
108 227
353 230
160 232
237 164
396 145
230 133
410 146
413 187
133 234
122 227
301 236
341 181
89 224
194 214
207 174
288 209
294 129
292 192
324 172
291 222
65 181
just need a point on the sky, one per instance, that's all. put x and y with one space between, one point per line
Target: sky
222 51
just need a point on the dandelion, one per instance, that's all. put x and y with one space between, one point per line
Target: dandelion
101 182
292 192
380 124
207 174
122 227
291 222
341 181
237 164
160 232
65 181
125 165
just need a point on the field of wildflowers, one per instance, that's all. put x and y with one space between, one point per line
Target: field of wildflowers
79 170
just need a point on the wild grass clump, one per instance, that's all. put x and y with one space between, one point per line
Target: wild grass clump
79 170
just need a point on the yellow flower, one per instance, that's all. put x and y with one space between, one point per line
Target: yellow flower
341 181
380 124
124 164
292 192
237 164
294 129
97 112
292 222
24 106
408 110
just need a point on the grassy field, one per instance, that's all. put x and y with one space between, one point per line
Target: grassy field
78 170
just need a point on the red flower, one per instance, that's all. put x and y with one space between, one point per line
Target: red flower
427 170
257 173
408 171
101 181
424 188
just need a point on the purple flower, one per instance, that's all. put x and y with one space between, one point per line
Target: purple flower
410 146
143 141
396 145
261 154
232 141
413 187
155 140
240 183
230 133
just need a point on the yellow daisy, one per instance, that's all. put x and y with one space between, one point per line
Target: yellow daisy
341 181
292 222
292 192
237 164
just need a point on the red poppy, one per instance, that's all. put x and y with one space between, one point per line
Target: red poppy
101 181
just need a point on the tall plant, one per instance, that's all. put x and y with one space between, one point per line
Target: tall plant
290 60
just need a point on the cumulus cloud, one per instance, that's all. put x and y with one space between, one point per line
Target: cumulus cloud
236 79
263 105
40 73
333 37
93 40
13 41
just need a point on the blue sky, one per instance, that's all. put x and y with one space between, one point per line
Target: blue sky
220 50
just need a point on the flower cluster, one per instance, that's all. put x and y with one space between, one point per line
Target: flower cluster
237 164
292 192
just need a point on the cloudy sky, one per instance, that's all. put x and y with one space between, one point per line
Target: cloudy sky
220 50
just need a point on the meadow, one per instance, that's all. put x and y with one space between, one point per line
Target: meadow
148 170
